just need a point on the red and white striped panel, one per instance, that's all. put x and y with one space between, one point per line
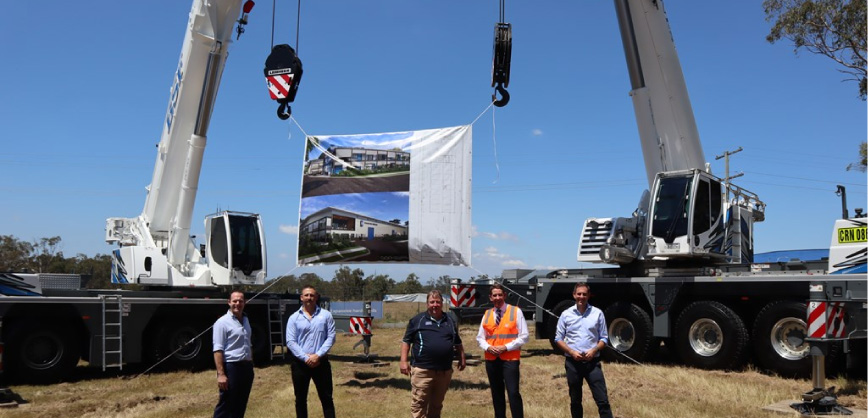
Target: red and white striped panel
836 326
278 85
816 319
361 325
463 296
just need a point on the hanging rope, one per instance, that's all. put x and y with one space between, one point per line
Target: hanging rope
297 25
181 347
505 286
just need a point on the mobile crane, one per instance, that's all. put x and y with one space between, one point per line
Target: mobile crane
51 322
156 247
686 273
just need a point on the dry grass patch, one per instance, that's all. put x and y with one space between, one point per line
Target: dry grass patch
652 391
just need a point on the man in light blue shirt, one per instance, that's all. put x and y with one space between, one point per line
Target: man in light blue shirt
310 334
233 357
581 334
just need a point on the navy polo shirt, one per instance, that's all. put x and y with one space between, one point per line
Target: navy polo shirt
432 341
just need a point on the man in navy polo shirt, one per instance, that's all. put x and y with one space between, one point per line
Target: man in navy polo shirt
434 338
233 356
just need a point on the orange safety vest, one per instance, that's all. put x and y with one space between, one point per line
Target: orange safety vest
501 334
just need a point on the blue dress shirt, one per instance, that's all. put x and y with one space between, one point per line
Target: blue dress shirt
582 331
232 337
315 335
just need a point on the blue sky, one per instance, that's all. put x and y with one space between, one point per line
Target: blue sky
85 90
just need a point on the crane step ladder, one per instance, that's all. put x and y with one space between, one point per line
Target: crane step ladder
275 329
112 331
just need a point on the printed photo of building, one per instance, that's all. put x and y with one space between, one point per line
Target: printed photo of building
334 223
360 158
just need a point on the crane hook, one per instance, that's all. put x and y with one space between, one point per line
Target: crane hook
503 94
284 111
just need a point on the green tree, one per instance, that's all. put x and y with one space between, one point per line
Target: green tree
410 285
833 28
442 284
863 161
14 254
47 257
378 286
348 284
99 268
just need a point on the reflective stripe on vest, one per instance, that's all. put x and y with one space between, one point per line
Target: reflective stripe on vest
501 334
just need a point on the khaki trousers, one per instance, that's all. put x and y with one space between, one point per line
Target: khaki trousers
429 390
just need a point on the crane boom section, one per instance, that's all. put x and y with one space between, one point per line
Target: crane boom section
664 116
191 101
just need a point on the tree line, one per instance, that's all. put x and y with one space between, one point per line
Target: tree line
45 255
353 284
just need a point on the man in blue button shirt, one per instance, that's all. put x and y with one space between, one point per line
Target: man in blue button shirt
310 334
582 334
233 357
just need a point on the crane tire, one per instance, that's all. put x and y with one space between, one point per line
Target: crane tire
710 335
779 345
630 332
42 353
196 355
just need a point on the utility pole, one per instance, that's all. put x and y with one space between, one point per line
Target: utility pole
726 179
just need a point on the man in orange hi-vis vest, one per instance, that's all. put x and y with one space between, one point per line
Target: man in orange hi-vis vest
501 334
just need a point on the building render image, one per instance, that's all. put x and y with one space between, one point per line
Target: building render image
360 158
337 222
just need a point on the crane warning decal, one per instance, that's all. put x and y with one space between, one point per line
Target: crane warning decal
852 235
279 85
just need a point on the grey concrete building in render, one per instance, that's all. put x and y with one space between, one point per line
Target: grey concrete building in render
360 158
336 222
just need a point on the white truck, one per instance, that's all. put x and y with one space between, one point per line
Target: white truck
685 272
51 322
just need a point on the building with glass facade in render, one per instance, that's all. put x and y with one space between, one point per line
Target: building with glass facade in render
360 158
336 222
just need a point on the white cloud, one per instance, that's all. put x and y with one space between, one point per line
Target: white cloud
499 236
289 229
493 254
537 132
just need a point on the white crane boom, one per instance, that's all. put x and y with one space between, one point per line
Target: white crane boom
667 128
234 250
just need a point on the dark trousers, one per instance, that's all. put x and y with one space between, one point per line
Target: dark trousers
233 400
322 378
591 371
500 372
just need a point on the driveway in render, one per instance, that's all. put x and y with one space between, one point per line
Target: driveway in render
322 185
384 251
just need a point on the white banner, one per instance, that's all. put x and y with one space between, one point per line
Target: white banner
400 197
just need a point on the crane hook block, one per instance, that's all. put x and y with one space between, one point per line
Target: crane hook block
283 74
502 57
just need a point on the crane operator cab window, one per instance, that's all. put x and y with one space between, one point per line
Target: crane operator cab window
671 207
686 217
235 242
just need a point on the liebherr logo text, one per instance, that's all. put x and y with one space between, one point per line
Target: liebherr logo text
280 71
173 96
849 235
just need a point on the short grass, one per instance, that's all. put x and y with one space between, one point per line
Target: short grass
651 391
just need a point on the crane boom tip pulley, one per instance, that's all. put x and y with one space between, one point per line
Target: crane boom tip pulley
500 65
